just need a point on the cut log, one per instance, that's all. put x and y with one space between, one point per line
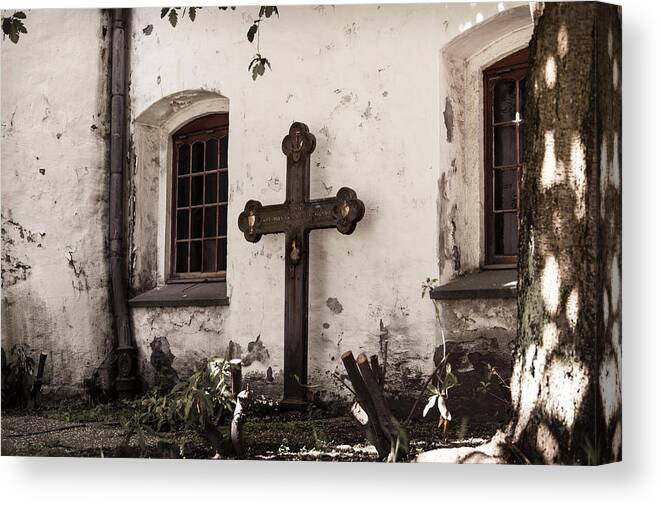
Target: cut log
374 432
238 419
235 373
38 381
376 394
376 369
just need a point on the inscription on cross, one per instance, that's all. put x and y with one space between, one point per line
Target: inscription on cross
296 217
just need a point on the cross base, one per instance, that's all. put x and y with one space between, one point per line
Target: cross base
293 404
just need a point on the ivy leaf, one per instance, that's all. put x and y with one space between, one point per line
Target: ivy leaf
164 12
148 29
19 14
430 404
192 13
251 32
173 17
268 11
257 69
449 381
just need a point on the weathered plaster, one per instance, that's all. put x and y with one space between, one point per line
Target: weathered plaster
461 203
54 193
378 119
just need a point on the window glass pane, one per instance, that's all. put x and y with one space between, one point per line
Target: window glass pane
212 155
223 152
196 222
222 224
209 261
196 190
196 256
198 157
505 189
223 187
504 145
522 144
182 257
505 234
183 184
504 101
222 254
183 159
182 224
522 97
211 188
210 214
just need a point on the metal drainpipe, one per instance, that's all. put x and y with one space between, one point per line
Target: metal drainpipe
125 351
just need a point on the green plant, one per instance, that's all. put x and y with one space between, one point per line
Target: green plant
13 26
445 379
438 397
486 385
200 403
17 376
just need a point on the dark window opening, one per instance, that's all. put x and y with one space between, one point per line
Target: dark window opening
199 200
504 123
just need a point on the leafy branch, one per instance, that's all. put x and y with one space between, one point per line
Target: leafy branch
13 26
259 63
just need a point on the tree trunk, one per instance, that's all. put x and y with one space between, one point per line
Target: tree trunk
567 373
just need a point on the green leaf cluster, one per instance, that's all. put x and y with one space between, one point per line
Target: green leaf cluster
13 26
200 403
258 66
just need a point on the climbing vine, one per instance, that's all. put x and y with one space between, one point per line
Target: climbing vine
13 26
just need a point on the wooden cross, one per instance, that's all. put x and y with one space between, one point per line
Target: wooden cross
295 218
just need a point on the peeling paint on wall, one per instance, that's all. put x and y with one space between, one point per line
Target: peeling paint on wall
448 119
334 305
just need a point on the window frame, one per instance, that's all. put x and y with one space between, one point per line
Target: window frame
213 125
513 66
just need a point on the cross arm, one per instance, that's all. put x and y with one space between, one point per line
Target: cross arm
257 220
343 212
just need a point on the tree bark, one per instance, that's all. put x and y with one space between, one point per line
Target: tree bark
567 373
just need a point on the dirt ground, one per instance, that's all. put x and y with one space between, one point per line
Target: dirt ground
72 429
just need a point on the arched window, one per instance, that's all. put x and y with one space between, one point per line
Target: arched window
504 85
199 200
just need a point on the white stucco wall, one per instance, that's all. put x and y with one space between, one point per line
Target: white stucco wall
366 80
369 81
54 193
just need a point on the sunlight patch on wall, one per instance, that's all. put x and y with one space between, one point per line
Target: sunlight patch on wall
551 285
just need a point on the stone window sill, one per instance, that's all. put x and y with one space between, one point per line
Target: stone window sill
500 284
197 294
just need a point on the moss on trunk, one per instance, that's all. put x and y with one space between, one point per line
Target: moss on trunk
566 382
